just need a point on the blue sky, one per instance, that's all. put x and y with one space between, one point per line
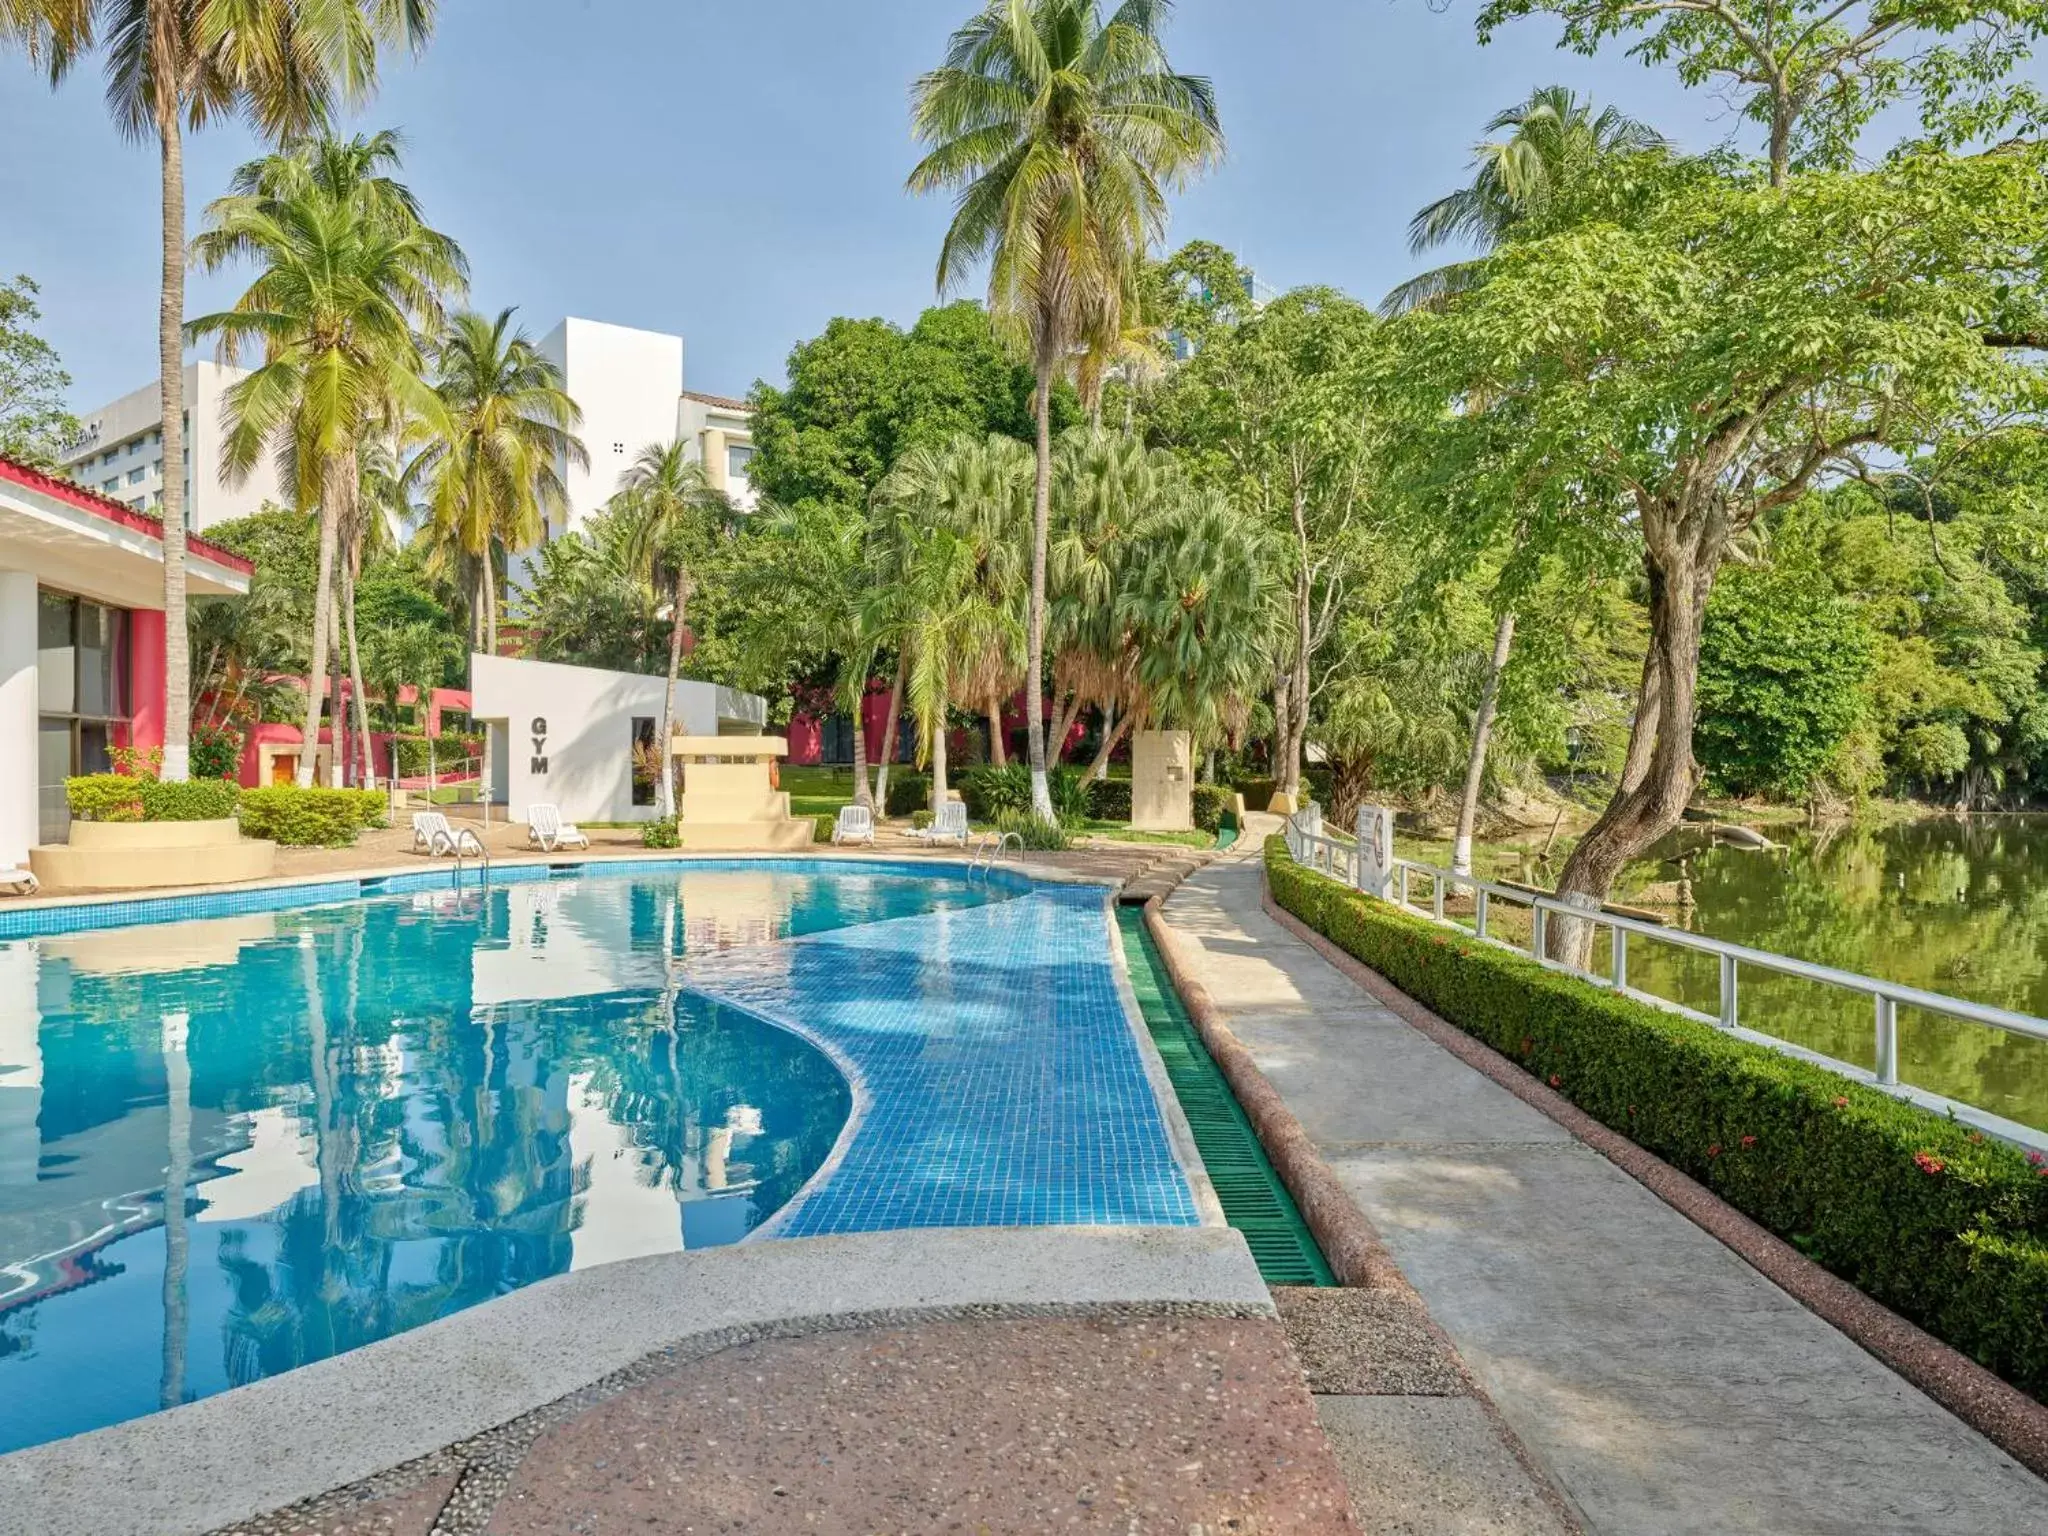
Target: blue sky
734 172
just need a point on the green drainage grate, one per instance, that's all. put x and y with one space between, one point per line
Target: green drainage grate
1253 1198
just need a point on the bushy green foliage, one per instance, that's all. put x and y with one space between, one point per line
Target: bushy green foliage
992 792
908 792
1212 802
449 751
373 807
1937 1222
216 752
118 797
1037 836
1783 662
822 825
1069 790
1109 799
307 818
660 833
34 426
922 818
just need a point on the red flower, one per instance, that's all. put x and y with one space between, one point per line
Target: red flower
1841 1103
1714 1150
1749 1141
1556 1081
2037 1158
1977 1136
1929 1163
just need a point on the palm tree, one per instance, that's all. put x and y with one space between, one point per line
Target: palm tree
415 655
671 515
492 473
346 272
1554 140
1062 132
171 68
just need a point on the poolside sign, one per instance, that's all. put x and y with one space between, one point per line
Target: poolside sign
1375 831
539 762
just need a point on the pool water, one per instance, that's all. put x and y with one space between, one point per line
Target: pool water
378 1112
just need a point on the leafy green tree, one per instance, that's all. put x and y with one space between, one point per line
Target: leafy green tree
1783 664
587 602
1815 73
34 426
173 69
1554 139
346 269
1062 131
489 469
670 519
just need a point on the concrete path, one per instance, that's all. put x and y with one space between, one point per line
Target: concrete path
1665 1385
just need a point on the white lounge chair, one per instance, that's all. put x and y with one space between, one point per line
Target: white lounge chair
25 883
949 825
856 824
544 826
431 833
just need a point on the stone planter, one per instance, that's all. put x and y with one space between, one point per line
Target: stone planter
140 855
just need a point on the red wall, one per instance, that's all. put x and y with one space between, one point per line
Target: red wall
145 678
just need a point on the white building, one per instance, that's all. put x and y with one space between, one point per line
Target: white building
566 736
629 385
119 451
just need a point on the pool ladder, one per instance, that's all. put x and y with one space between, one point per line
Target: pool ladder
469 845
992 844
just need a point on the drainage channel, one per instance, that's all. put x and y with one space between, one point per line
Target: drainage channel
1253 1198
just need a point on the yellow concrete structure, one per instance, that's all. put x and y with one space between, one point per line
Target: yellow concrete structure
1162 781
728 802
138 855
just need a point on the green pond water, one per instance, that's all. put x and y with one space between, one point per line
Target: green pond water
1953 905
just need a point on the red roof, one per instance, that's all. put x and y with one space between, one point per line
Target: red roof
722 402
75 495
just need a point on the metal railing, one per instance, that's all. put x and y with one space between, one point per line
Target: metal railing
1341 859
992 844
469 845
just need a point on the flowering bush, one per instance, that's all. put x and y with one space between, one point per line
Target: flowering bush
1949 1231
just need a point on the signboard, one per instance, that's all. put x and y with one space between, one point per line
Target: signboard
1375 831
538 764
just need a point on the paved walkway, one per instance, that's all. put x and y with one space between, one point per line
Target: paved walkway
1665 1385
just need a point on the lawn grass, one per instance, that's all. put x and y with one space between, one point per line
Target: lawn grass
816 791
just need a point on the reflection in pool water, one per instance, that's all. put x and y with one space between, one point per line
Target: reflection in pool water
380 1113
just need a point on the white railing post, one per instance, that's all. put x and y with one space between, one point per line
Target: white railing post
1887 1040
1618 937
1479 913
1536 926
1436 887
1728 991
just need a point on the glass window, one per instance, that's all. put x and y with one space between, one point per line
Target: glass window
53 766
644 762
102 662
737 457
135 478
57 656
113 485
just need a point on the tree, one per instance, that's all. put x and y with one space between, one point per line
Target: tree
174 68
489 469
1554 139
1783 664
1815 73
1681 376
346 271
1276 411
1062 132
670 516
587 600
34 426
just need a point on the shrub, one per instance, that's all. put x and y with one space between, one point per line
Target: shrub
822 825
908 792
216 752
660 833
304 818
1109 799
993 792
1945 1227
1038 836
193 800
1212 802
411 753
921 818
373 807
1069 791
1257 792
104 797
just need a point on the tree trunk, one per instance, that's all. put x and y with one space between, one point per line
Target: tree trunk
665 789
1034 662
1283 755
365 757
337 695
323 606
177 763
1099 769
997 754
862 795
490 584
1063 723
938 728
1659 775
1482 730
889 738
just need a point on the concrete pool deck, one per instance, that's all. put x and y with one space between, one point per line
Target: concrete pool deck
1661 1382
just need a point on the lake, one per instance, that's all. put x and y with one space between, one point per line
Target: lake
1953 905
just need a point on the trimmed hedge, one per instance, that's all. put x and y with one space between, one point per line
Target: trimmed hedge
311 818
660 833
1212 802
908 792
1256 792
1109 799
117 797
1941 1224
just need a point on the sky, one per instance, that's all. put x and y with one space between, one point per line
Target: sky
734 172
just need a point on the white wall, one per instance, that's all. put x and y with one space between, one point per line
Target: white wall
19 688
123 438
626 383
584 762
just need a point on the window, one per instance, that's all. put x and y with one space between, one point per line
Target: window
135 475
619 449
82 693
108 487
737 457
644 760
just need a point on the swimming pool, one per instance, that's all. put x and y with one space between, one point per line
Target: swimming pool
380 1111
